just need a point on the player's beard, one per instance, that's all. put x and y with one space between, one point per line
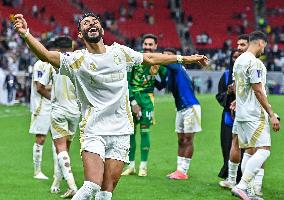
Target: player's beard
94 39
148 50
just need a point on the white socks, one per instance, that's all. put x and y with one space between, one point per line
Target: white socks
87 191
233 171
57 171
143 165
64 163
37 157
131 164
183 164
104 195
252 167
246 157
258 178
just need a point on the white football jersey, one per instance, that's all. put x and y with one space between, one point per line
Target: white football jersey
101 82
248 70
42 72
63 95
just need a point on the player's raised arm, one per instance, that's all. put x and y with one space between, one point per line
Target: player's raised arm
21 26
164 59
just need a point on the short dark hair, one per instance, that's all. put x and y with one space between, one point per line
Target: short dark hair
150 35
87 15
172 50
50 44
63 42
244 37
257 35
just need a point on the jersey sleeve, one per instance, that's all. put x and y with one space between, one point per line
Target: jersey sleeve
132 57
38 71
255 72
68 64
46 77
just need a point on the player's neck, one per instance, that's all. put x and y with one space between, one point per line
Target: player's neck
252 50
96 48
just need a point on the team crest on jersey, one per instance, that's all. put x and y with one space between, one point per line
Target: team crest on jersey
259 73
92 67
39 74
116 59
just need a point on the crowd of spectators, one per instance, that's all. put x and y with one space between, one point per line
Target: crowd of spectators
16 59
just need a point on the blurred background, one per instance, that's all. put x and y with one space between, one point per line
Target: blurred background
209 27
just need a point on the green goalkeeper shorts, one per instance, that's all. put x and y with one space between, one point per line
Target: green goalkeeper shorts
146 102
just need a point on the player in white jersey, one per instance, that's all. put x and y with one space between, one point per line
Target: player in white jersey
252 113
65 116
99 75
40 108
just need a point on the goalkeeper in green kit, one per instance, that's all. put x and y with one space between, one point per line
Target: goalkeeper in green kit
141 82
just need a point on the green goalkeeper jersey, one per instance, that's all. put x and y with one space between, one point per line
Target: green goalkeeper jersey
142 78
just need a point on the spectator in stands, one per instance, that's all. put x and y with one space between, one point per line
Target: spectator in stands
209 83
35 11
11 84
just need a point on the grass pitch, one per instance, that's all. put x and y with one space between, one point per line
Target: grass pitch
16 168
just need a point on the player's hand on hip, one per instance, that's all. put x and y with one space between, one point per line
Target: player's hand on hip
20 24
275 123
137 111
233 105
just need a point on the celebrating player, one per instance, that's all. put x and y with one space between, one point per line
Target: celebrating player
141 87
99 73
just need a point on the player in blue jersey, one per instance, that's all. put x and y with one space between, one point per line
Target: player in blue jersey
188 116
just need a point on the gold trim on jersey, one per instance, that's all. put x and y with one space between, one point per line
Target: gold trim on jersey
39 107
127 57
258 131
77 64
83 126
61 131
129 115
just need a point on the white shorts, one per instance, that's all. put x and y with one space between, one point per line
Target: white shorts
107 147
63 125
252 133
40 124
189 120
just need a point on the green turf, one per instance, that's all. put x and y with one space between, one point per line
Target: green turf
16 169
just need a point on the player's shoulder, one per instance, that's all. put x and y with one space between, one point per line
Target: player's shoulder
40 65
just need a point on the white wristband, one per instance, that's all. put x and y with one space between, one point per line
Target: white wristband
133 103
24 36
179 59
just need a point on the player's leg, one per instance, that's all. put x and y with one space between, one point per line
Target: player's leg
131 167
257 135
113 169
116 156
93 171
147 109
234 160
57 176
226 143
63 129
188 122
39 127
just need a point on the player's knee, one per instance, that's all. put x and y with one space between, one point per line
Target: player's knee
40 139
